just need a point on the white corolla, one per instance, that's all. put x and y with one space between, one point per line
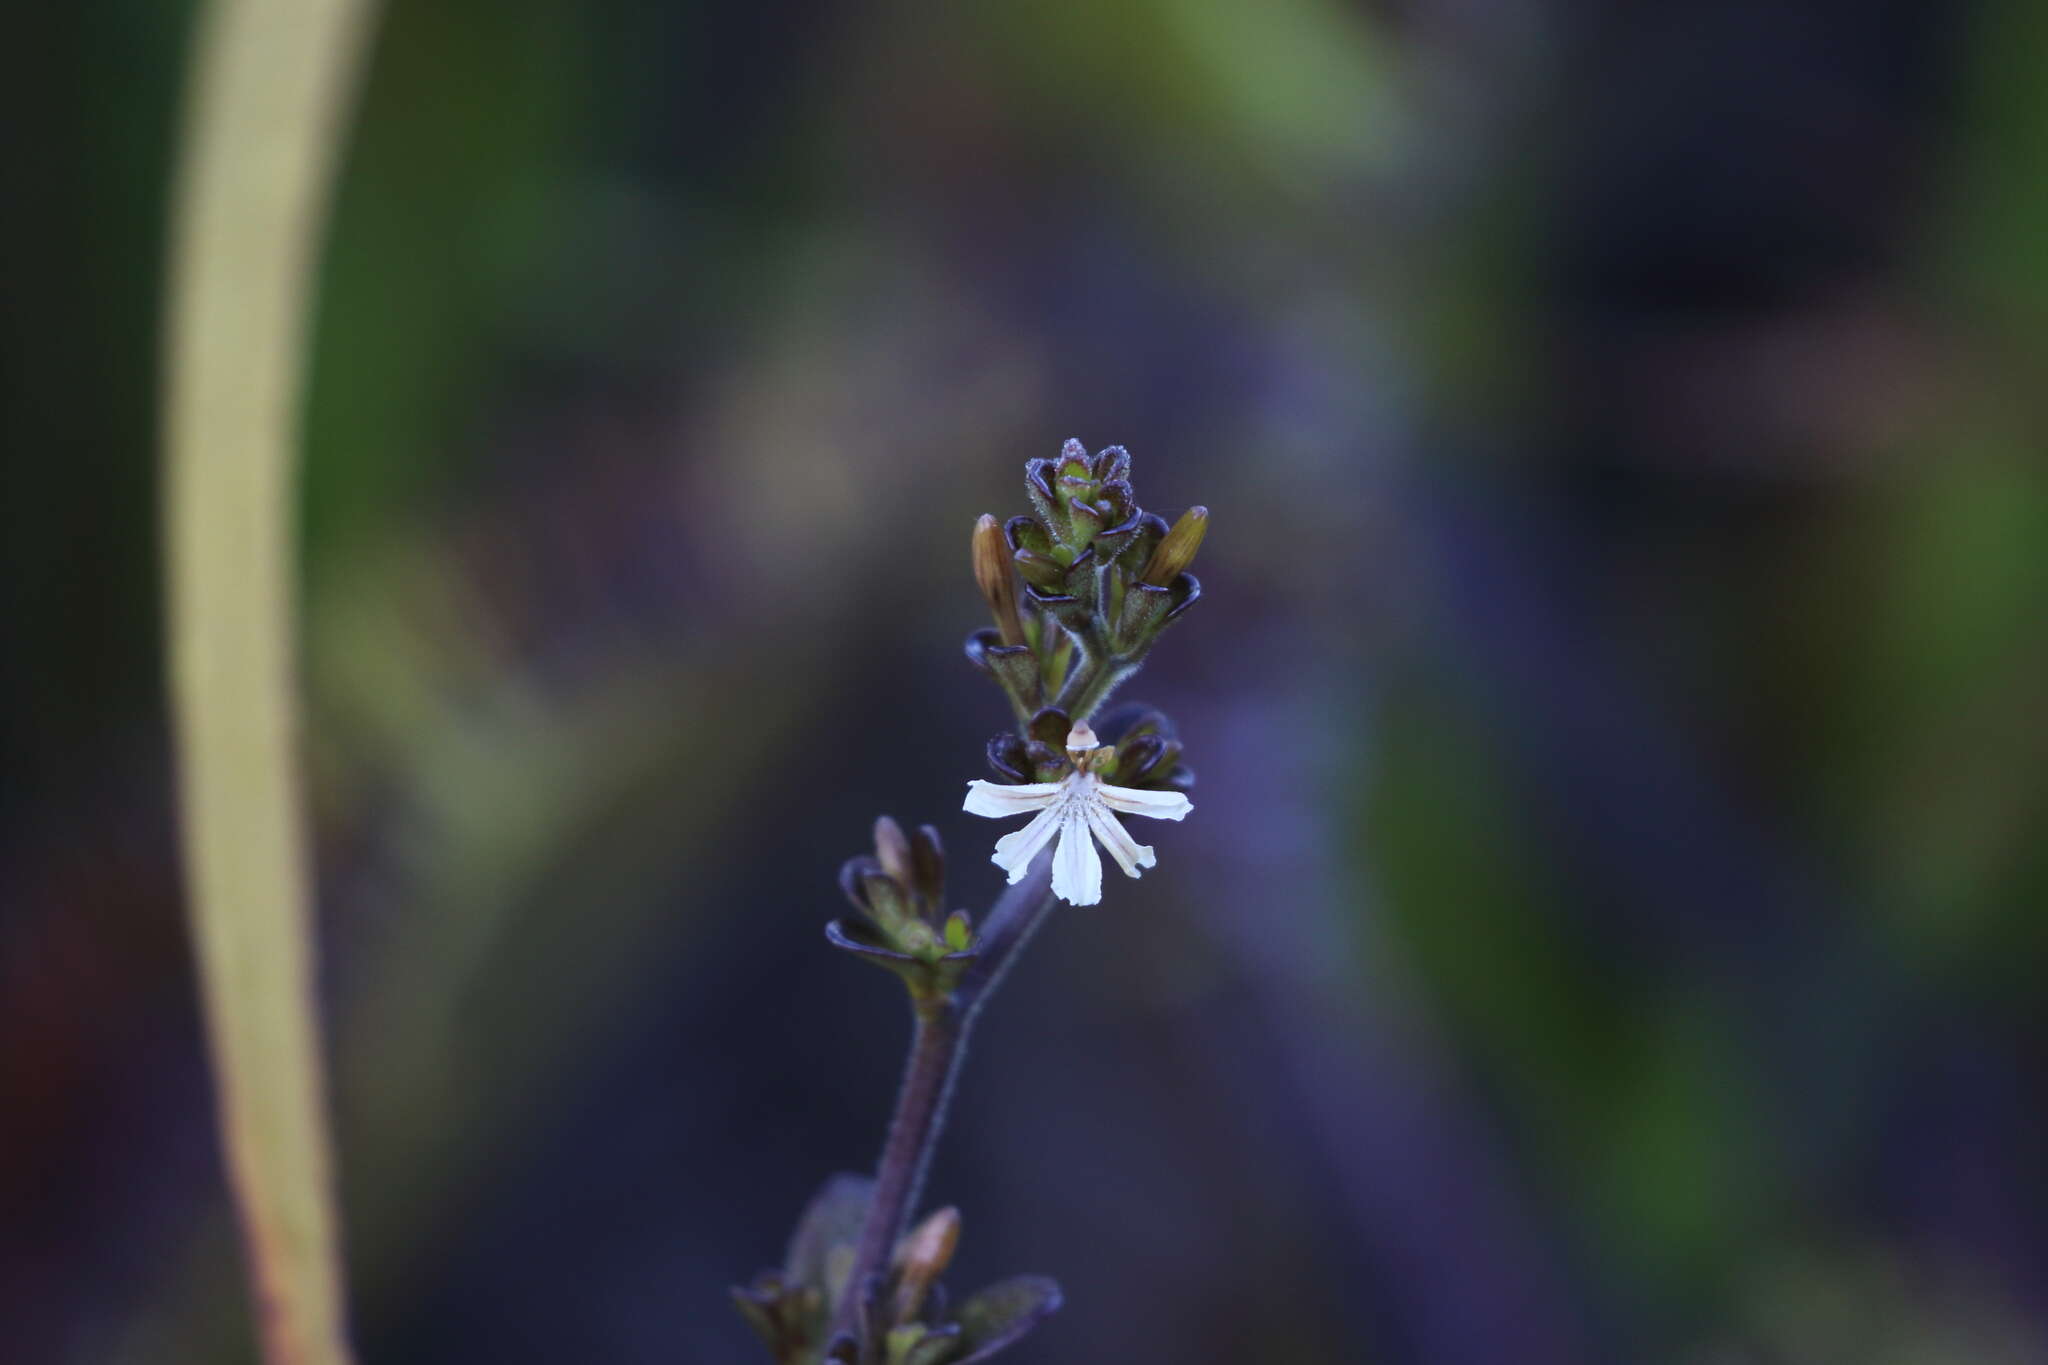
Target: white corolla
1081 809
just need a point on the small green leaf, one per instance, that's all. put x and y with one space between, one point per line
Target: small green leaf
757 1315
937 1347
1001 1314
832 1218
904 1340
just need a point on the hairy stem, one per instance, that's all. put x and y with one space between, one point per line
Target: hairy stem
935 1051
936 1047
1005 930
1092 686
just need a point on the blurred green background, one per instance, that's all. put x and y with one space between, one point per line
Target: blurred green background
1610 926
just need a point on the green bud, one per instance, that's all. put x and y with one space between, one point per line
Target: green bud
889 904
1122 532
1041 571
1080 579
1027 533
916 938
1148 610
1014 667
1049 727
1075 467
900 891
1087 520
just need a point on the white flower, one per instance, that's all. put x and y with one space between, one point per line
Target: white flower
1076 807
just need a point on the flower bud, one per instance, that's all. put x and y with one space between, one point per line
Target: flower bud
1177 550
892 850
1028 533
1014 667
1041 571
928 858
959 931
886 902
921 1257
900 890
998 583
1125 521
1075 466
1050 727
1149 609
1085 519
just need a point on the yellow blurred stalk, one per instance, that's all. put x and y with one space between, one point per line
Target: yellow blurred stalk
270 88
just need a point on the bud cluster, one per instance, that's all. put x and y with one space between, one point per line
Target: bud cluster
906 1317
900 892
1139 750
1101 579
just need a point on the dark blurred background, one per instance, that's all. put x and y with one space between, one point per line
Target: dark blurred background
1610 928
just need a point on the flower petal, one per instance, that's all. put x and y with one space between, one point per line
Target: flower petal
1076 870
1158 805
1015 850
1130 855
996 800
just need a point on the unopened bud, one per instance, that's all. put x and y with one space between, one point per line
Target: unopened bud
997 580
1177 549
921 1257
1074 463
928 856
892 850
1042 571
959 933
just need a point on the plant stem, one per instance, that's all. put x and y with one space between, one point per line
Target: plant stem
935 1050
267 120
936 1047
1008 926
1090 688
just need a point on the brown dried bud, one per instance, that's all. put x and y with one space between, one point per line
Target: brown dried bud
998 581
1177 550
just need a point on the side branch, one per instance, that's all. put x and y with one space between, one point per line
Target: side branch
936 1048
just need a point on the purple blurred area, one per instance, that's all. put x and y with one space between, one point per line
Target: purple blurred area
1609 929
